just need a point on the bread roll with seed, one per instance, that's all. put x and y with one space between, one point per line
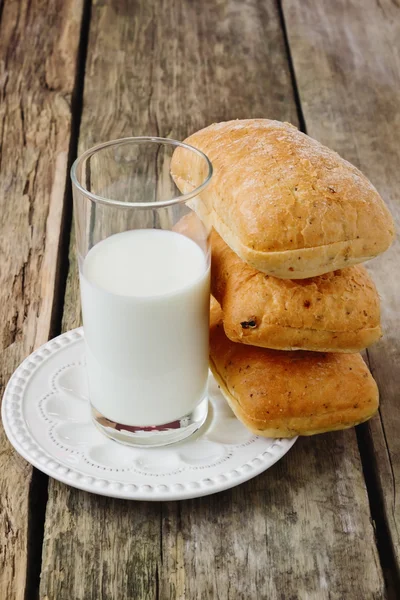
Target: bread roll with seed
286 204
285 394
335 312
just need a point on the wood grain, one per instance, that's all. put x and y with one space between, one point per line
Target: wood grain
350 100
303 529
281 535
37 79
98 546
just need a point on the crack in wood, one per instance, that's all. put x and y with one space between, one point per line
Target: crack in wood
389 459
296 92
391 471
22 115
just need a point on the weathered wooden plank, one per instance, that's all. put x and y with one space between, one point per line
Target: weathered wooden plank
303 529
281 535
38 55
348 73
98 546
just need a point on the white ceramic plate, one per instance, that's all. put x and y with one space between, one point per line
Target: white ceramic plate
46 416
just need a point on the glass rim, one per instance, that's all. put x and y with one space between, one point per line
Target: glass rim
139 140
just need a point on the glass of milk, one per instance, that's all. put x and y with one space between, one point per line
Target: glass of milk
144 266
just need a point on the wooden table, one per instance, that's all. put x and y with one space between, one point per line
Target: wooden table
324 522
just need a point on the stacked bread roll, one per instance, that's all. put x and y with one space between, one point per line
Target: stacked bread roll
291 221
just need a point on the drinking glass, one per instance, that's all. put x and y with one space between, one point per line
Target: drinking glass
144 269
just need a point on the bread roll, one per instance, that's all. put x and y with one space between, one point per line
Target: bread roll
284 394
284 203
335 312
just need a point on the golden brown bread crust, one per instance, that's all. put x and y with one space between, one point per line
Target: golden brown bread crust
284 203
284 394
335 312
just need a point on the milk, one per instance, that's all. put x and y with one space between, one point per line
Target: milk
145 303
